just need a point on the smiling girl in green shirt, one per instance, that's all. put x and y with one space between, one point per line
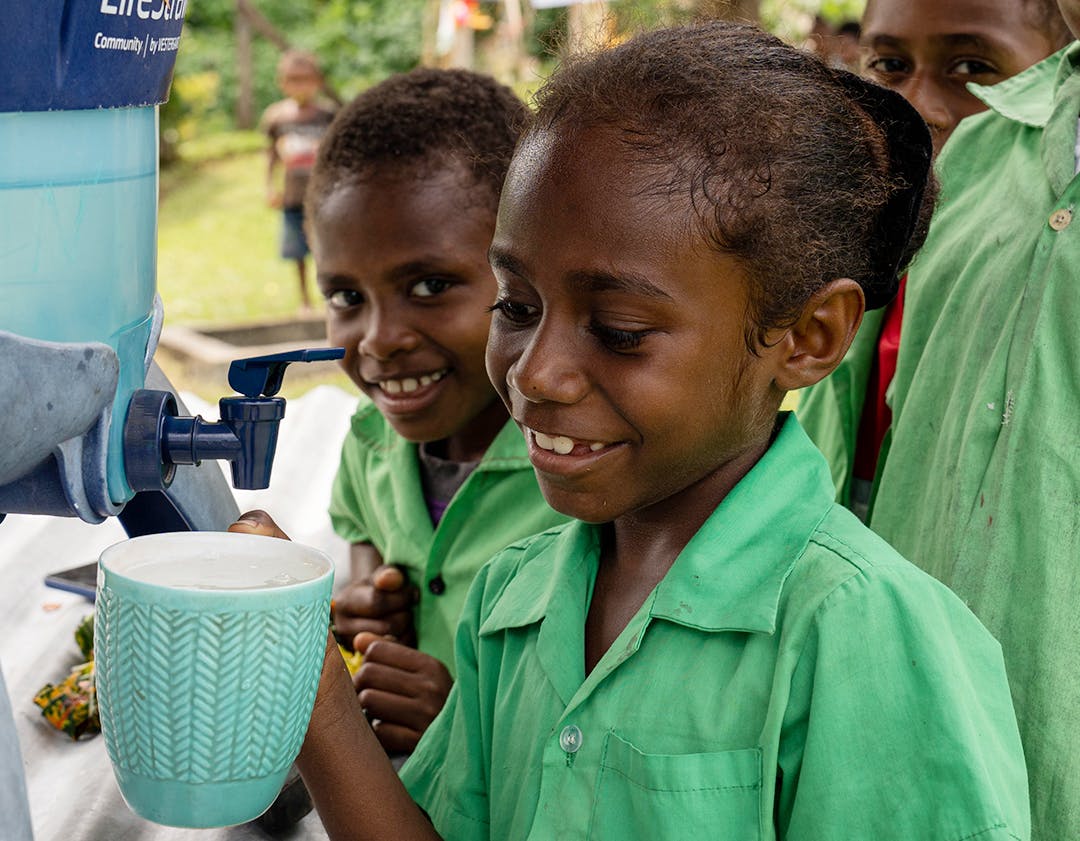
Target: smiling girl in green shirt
715 649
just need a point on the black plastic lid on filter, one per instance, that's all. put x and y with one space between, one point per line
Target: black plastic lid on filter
83 54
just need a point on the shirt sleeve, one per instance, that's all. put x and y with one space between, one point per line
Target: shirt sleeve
447 775
901 725
346 506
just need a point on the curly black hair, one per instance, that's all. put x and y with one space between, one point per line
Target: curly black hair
419 121
804 173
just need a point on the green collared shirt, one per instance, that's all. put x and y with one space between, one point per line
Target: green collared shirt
378 498
790 677
980 483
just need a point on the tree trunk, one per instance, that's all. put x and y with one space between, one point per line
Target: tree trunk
245 73
588 26
454 44
428 52
258 22
504 55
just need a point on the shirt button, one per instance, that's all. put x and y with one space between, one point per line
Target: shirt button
570 739
437 586
1060 219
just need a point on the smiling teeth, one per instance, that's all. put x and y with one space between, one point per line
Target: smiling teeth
560 443
411 384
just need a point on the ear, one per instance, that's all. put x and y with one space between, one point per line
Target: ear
814 345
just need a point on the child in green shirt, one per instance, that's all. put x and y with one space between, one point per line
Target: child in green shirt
434 478
980 480
690 228
928 51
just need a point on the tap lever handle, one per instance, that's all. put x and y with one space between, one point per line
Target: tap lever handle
260 376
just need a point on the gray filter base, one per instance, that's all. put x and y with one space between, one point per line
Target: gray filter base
55 405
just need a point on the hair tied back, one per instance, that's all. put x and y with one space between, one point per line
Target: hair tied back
910 159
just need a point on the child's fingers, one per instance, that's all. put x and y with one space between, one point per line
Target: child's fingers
364 601
395 709
413 685
394 653
395 738
388 578
257 522
397 668
363 640
397 625
360 607
348 630
380 677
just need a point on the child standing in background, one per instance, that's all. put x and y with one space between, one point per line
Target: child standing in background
689 229
434 477
928 51
294 126
979 481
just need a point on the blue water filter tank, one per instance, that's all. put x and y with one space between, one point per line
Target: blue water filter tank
79 178
78 211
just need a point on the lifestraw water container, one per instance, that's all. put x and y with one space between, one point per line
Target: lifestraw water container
82 80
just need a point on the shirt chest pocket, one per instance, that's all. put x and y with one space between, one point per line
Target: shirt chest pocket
669 797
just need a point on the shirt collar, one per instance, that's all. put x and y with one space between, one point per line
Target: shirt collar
507 452
1028 97
731 573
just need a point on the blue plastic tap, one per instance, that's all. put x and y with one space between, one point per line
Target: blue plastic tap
156 440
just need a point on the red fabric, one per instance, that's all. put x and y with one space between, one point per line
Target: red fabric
876 415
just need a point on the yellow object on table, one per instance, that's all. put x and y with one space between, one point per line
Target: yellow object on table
353 659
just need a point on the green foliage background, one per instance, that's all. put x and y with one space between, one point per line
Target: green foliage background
361 42
358 41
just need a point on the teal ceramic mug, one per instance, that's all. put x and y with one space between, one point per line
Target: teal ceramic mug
208 648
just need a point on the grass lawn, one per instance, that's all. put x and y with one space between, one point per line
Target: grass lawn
218 257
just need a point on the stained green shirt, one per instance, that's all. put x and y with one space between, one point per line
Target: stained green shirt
790 677
981 482
378 498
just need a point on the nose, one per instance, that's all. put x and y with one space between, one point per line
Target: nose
549 367
928 99
386 332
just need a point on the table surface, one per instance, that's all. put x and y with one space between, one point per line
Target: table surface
73 795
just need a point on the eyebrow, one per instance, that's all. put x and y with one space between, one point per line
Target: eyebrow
952 39
404 271
500 259
626 282
415 268
592 281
